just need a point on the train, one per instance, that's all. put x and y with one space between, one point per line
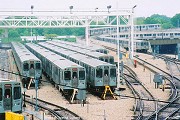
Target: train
98 73
97 55
123 28
10 96
139 45
152 35
66 74
29 66
92 48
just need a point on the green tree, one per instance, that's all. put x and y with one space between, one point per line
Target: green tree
159 19
175 20
139 20
13 33
50 36
1 31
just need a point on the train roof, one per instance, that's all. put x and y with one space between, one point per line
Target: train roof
80 50
80 57
90 47
54 58
122 39
90 61
23 53
96 28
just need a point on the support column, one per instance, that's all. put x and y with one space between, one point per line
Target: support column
87 33
178 50
118 51
132 37
6 33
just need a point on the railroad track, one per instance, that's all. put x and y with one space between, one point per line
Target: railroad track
166 58
142 108
4 63
170 110
58 112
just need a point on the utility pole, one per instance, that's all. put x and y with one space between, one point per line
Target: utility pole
132 32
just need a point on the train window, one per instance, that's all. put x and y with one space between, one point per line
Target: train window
56 70
106 72
99 73
67 75
1 94
105 51
81 75
74 75
17 93
7 93
112 72
38 66
26 66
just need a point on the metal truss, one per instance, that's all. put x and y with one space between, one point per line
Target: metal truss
60 19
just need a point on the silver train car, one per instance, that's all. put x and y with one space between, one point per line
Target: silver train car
98 73
152 35
10 96
63 72
139 45
96 55
28 64
123 28
92 48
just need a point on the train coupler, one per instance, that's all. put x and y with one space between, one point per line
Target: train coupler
107 89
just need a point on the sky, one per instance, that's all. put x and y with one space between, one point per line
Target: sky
145 8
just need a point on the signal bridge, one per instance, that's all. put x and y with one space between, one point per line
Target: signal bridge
63 19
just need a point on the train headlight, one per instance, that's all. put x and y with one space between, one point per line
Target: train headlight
99 80
16 104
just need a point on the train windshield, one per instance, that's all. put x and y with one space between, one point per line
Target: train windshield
1 94
17 93
99 73
106 60
113 72
74 75
106 72
7 93
105 51
67 75
81 75
26 66
32 66
38 66
111 60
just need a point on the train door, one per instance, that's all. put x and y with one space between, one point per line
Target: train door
74 77
106 75
7 97
31 71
